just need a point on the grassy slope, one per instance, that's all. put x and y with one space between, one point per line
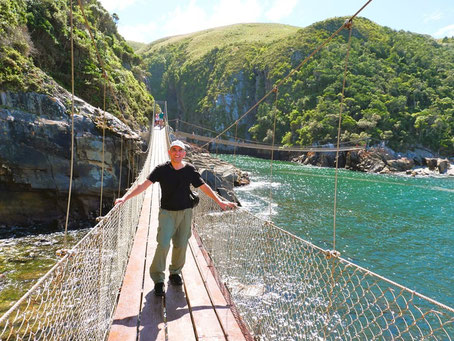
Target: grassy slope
399 87
200 43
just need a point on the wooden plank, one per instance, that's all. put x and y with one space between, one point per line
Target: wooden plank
225 315
205 319
124 325
152 324
179 323
152 320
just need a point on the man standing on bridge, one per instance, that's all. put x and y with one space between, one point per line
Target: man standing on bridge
175 215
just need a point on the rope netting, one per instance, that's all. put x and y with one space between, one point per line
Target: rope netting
286 288
75 300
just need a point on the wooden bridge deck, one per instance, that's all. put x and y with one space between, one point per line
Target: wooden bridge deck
195 311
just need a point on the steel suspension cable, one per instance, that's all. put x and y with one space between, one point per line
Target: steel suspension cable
234 155
103 146
121 166
276 91
341 106
72 127
292 71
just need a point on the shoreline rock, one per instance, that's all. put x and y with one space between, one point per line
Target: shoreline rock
383 160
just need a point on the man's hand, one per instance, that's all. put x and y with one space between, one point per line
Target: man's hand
119 201
227 204
224 204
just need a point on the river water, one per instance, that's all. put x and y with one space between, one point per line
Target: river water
399 227
24 258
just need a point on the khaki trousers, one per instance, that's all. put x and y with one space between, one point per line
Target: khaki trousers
175 226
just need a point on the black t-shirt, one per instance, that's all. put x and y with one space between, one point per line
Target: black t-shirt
175 185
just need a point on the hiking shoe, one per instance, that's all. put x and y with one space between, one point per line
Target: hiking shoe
159 289
175 279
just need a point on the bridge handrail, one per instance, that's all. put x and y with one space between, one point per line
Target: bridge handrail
265 146
285 287
76 298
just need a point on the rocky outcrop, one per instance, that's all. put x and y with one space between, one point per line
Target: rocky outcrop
381 160
320 159
440 165
35 149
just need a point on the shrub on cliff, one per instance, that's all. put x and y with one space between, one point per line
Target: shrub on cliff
36 34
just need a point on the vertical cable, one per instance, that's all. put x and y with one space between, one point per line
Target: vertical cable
121 165
348 24
72 125
333 254
234 154
276 92
129 162
103 144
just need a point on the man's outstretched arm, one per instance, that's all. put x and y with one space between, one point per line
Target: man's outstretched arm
137 190
224 204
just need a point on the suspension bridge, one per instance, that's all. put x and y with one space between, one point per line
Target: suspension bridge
237 143
245 278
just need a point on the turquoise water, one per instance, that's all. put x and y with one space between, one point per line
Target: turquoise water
399 227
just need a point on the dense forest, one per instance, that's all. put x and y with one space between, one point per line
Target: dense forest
399 91
35 47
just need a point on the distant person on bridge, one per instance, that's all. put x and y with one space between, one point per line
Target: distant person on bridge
175 215
161 119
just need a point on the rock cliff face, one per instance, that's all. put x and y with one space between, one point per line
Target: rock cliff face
35 149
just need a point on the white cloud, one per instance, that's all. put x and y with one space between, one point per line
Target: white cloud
434 16
140 32
184 19
116 5
447 31
281 9
193 17
228 12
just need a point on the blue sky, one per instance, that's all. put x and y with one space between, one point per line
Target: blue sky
149 20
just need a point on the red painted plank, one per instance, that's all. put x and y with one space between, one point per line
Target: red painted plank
152 321
178 316
205 320
124 325
225 315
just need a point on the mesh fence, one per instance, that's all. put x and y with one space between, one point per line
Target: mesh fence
75 300
286 288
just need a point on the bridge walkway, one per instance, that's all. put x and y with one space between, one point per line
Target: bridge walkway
195 311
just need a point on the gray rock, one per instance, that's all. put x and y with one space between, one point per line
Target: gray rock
35 149
401 165
432 163
443 165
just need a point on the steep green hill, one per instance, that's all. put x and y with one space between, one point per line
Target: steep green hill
35 45
136 46
400 86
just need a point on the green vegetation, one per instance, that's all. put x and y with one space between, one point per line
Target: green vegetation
400 85
35 37
136 46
